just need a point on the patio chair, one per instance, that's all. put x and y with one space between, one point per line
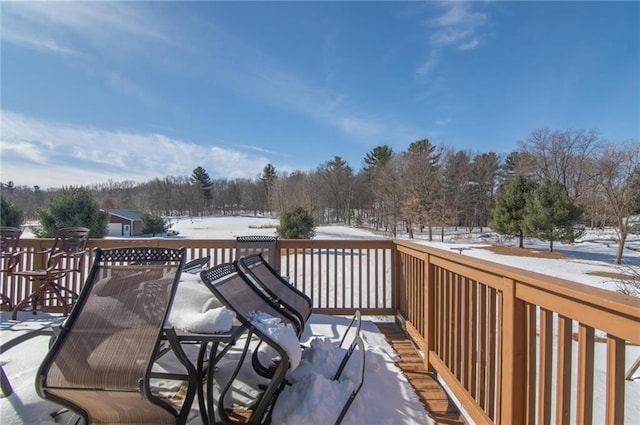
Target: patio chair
232 289
100 366
9 258
278 289
358 343
197 265
65 257
266 245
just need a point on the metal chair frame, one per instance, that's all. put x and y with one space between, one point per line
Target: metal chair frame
65 257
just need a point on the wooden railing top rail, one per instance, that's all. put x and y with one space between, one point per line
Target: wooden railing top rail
333 243
602 298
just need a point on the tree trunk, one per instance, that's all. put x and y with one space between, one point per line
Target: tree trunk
551 245
620 250
521 242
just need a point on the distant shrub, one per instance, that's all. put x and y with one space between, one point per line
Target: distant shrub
152 224
296 223
71 207
10 214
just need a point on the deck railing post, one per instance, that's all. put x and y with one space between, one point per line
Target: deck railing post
512 402
395 279
429 311
277 259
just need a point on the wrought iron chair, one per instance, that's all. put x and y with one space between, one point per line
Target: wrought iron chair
9 258
100 365
65 257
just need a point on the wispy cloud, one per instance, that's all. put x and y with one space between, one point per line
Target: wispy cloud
89 34
255 74
62 27
41 42
458 27
263 150
51 154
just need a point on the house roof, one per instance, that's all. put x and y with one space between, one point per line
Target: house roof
133 215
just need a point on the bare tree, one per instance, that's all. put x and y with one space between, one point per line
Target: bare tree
456 174
561 156
420 182
339 179
388 190
617 174
485 170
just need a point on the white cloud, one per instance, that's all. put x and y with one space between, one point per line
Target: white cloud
458 14
458 27
50 154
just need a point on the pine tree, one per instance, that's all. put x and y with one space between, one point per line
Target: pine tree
296 223
378 157
509 210
152 223
72 206
10 214
268 179
201 178
551 214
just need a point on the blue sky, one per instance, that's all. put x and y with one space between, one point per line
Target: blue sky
129 91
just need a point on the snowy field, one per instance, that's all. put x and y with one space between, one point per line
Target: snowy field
316 397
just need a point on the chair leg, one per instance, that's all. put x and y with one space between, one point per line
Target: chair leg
39 296
4 300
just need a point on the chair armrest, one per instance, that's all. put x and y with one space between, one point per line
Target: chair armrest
11 260
55 259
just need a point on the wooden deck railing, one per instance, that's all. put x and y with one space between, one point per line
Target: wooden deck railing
506 342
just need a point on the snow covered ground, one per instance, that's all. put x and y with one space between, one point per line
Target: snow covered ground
379 402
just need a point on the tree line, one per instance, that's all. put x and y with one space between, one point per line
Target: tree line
423 188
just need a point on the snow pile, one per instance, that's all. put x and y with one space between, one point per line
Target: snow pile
313 388
196 309
281 333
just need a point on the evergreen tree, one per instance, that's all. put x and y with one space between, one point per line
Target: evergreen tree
509 210
72 206
268 179
378 157
296 223
551 214
201 178
152 224
10 214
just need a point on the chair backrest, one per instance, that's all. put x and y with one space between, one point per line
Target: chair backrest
239 295
9 238
266 245
100 364
69 243
277 288
9 255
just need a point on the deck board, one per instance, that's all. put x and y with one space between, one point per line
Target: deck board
430 392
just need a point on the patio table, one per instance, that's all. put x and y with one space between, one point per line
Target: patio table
205 365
